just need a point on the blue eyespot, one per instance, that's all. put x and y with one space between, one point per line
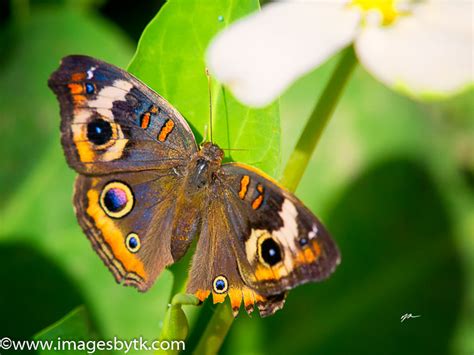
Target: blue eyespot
89 88
115 199
99 131
303 241
220 284
133 242
270 252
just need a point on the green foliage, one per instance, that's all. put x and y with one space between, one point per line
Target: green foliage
170 59
392 179
77 326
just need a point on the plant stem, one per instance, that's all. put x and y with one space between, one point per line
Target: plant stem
216 331
318 120
222 319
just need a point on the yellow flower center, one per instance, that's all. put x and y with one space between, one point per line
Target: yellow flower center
386 8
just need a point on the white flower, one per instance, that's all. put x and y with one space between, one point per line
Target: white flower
422 48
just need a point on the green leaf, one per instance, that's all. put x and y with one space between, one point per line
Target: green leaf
75 326
170 59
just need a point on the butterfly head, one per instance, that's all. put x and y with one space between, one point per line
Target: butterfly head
212 152
205 164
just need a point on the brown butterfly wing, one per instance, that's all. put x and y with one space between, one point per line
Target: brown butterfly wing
131 149
128 219
261 240
113 122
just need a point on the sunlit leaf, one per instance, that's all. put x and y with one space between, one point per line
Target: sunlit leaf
170 59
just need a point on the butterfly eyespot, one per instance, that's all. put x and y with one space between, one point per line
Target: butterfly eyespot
270 252
90 88
116 199
220 284
133 242
303 241
99 131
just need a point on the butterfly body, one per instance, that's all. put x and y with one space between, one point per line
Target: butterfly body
145 190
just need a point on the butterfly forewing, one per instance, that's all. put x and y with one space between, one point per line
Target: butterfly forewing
113 122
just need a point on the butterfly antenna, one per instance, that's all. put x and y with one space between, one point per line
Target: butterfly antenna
210 102
237 149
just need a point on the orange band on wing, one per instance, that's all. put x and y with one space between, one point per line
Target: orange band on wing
202 294
79 100
264 273
249 298
218 297
316 248
244 184
86 154
145 120
113 236
258 201
78 76
309 255
76 88
166 130
236 296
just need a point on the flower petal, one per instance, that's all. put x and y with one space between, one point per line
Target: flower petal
428 53
262 54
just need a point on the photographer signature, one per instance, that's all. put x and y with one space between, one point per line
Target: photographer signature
408 316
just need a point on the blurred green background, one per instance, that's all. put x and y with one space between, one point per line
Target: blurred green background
393 179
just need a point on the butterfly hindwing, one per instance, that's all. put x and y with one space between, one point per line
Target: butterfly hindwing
130 219
260 240
113 122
